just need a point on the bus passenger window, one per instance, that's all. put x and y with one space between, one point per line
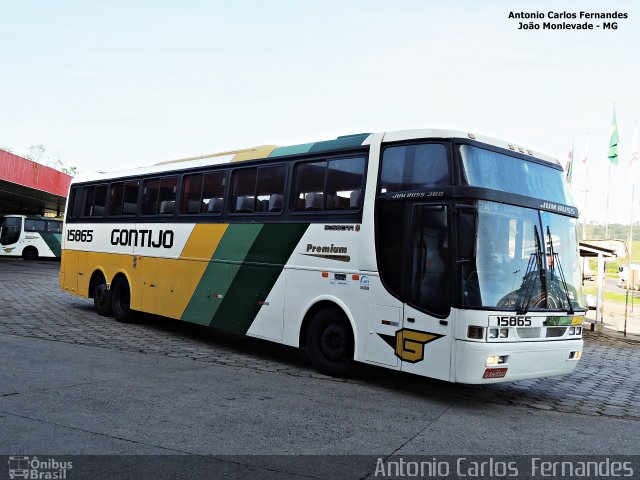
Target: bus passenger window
99 201
150 196
167 195
130 198
192 194
344 184
414 167
308 193
270 189
159 196
123 199
54 227
213 192
88 201
72 209
243 190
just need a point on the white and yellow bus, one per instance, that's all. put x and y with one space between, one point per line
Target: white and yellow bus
30 236
440 253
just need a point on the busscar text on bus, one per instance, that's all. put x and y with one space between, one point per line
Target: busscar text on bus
440 253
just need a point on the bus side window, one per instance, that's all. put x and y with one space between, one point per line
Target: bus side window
243 188
123 199
344 183
87 203
309 180
71 211
334 184
29 225
270 189
413 167
150 192
192 194
99 201
213 192
167 195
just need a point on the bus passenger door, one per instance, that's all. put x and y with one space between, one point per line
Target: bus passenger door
424 343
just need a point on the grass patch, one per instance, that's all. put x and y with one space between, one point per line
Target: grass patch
613 296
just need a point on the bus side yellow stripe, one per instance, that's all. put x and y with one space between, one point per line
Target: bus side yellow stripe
198 251
254 153
203 241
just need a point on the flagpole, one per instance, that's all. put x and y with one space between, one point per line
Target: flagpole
585 160
586 195
606 221
613 159
633 188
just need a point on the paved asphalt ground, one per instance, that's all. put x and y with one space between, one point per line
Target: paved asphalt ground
72 382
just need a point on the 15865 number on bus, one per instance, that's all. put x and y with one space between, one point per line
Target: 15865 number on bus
80 235
514 321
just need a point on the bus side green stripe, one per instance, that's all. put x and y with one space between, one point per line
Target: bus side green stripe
292 150
217 277
53 242
254 280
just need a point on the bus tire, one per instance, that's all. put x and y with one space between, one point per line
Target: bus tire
121 301
102 298
330 343
30 253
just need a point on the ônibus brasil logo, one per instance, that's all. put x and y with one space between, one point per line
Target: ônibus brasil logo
38 469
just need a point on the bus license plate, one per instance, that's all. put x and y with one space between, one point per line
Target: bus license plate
494 373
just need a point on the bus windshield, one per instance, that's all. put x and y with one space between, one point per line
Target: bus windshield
10 230
489 169
524 259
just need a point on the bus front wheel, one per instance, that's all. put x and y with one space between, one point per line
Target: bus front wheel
330 342
121 301
30 253
102 298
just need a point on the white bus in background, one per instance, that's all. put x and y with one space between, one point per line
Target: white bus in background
623 276
30 236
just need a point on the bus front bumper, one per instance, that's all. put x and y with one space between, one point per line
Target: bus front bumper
475 361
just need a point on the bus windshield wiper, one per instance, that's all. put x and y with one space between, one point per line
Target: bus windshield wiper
528 283
555 259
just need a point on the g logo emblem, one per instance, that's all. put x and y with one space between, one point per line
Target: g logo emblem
409 344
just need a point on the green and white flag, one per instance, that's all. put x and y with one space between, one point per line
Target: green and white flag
613 141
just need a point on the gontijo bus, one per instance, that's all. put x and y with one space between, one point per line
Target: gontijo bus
30 236
441 253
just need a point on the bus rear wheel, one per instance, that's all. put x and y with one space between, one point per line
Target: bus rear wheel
330 343
30 253
121 301
102 298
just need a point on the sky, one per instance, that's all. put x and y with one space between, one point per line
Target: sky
119 84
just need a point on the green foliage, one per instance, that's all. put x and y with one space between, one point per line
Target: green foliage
617 231
619 297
